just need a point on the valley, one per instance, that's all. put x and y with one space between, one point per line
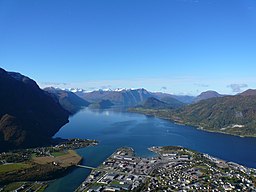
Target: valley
127 95
105 115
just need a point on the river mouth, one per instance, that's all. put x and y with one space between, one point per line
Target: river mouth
115 128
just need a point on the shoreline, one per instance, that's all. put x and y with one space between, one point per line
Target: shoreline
51 163
191 125
122 171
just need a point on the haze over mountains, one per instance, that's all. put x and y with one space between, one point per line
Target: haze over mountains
131 97
182 98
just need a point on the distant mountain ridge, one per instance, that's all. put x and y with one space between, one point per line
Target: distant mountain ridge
207 95
125 97
133 97
249 92
67 99
73 90
186 99
28 115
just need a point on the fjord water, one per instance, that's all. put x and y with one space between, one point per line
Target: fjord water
115 129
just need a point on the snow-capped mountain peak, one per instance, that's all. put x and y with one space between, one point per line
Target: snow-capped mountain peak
120 89
75 90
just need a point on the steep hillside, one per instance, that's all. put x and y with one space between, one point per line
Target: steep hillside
28 115
68 100
173 103
153 103
230 114
249 92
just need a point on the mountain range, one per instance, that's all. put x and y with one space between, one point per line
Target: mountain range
133 97
129 97
107 98
30 116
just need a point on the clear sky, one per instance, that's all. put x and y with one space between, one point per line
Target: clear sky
175 46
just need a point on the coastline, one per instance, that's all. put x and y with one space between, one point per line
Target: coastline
122 171
189 124
50 164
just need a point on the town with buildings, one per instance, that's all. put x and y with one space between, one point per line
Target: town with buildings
172 169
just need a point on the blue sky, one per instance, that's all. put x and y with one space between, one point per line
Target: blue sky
175 46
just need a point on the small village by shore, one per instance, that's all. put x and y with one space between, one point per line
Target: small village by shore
32 169
173 169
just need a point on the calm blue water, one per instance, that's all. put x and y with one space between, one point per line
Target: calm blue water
115 129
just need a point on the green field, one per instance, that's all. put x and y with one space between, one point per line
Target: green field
38 187
42 188
13 186
13 167
57 154
33 186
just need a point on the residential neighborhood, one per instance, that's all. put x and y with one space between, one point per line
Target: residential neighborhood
173 169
